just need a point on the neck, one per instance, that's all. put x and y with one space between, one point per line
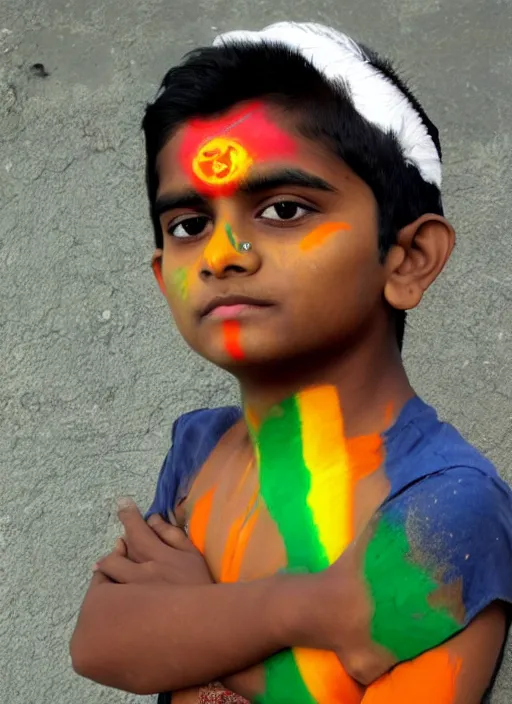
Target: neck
370 380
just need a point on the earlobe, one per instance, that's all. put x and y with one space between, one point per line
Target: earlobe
420 254
156 265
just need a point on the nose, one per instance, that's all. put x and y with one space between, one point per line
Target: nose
224 257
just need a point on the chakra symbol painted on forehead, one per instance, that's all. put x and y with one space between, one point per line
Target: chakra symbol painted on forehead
221 161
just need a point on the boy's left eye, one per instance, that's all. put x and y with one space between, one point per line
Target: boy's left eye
285 210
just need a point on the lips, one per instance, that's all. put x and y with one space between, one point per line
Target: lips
236 303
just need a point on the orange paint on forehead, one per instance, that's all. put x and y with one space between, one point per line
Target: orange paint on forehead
429 678
216 153
321 233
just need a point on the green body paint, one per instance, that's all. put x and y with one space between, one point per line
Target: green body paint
179 279
231 237
403 622
284 484
284 682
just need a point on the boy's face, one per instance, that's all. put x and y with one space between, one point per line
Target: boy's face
270 243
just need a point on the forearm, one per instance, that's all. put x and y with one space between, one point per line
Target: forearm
147 638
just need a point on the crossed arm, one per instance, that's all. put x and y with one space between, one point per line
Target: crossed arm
153 621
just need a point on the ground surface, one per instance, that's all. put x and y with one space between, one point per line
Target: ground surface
92 371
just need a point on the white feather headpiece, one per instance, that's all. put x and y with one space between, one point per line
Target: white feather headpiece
374 95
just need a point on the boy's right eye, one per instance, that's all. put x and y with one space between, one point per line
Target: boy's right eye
192 226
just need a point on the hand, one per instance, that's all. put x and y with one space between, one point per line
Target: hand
153 551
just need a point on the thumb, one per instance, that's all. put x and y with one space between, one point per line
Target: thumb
170 535
120 547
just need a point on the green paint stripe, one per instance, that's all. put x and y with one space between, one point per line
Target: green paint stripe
231 237
285 483
283 681
403 620
179 278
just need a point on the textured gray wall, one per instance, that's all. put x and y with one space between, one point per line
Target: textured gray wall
92 371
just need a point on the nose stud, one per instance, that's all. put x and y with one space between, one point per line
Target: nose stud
245 246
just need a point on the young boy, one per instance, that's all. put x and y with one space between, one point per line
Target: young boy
294 186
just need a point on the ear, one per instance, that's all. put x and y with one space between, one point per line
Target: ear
156 265
421 251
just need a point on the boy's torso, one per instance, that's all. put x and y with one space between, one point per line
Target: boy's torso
227 518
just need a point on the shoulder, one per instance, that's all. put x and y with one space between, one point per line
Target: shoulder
458 523
194 437
420 445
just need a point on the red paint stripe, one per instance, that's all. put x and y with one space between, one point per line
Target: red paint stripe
232 339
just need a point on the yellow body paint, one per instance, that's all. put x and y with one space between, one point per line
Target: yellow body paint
221 161
325 677
325 454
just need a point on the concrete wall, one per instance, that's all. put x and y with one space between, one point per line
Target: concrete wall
93 372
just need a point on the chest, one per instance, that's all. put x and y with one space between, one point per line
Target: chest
254 516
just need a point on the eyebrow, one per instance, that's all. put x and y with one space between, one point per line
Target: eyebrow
186 199
251 186
282 179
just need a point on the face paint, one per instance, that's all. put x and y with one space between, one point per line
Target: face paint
321 233
309 492
431 677
221 247
180 281
410 624
217 153
220 162
231 238
231 330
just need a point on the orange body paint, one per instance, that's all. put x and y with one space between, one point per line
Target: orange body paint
198 524
430 678
218 152
318 236
231 330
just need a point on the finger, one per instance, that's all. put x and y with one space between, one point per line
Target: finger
170 535
119 569
120 548
141 541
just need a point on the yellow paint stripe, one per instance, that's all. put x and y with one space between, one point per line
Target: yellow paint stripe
330 497
325 677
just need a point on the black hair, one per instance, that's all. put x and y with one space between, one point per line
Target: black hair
211 80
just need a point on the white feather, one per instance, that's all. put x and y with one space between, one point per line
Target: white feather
374 95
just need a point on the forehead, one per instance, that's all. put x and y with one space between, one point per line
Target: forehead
215 153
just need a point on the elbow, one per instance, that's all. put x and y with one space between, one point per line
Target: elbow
86 660
94 662
365 666
82 658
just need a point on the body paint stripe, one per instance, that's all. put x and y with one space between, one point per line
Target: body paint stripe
180 281
284 682
406 624
231 329
366 455
231 570
231 237
430 678
199 518
278 471
318 236
325 677
325 455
